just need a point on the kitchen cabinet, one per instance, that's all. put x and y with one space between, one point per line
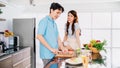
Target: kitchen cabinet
6 62
19 59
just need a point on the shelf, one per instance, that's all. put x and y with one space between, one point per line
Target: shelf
1 19
2 5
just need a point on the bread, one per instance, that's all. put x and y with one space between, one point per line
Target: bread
68 54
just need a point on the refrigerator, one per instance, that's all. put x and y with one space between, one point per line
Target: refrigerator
24 28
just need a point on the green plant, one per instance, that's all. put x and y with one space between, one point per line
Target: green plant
96 44
99 61
1 11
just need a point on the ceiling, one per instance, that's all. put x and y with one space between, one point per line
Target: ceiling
38 2
79 5
73 1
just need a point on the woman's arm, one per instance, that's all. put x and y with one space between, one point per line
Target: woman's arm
65 37
77 32
60 44
66 45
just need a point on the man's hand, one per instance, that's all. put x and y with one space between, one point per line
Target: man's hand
55 51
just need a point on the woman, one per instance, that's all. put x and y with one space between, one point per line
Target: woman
72 31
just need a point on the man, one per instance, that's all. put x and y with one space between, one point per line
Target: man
48 34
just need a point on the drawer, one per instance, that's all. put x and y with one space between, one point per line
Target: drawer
22 64
26 52
6 62
26 62
29 66
17 57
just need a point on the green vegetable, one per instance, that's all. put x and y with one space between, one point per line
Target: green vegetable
97 44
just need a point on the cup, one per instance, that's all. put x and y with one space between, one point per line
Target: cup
78 52
85 61
87 53
6 39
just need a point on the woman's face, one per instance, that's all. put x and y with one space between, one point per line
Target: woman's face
70 18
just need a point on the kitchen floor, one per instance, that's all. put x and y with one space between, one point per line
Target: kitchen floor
39 63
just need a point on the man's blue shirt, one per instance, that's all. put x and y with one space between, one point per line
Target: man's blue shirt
48 29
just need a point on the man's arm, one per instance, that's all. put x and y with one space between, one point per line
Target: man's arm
43 41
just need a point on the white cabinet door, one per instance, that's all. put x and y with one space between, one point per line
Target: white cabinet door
116 20
102 35
115 57
116 29
84 20
101 20
116 38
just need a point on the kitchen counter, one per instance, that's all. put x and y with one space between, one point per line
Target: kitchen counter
10 51
98 60
16 58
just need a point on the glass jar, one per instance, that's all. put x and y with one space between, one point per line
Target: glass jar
1 36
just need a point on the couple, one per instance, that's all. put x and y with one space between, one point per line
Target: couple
48 34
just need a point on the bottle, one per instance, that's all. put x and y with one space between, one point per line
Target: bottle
16 42
63 64
2 47
1 36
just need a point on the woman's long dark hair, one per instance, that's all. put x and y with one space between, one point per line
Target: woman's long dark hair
74 13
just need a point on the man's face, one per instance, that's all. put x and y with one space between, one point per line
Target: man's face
55 13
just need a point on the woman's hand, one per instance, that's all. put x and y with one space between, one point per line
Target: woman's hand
64 50
69 47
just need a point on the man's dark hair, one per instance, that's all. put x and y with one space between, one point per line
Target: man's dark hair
55 6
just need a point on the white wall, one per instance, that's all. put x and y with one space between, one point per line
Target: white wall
14 9
9 12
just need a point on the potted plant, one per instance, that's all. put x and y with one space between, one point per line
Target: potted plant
1 11
96 45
